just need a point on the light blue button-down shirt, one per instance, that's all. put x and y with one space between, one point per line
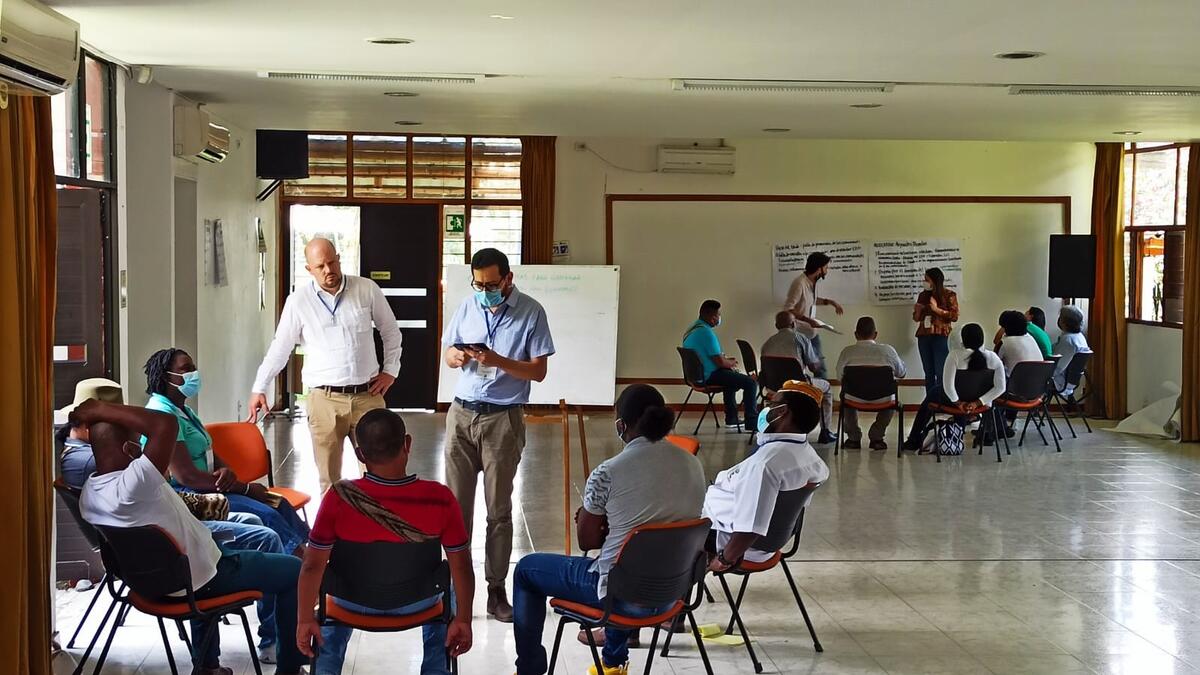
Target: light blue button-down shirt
518 330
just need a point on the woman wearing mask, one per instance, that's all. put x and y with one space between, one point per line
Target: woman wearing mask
171 379
935 312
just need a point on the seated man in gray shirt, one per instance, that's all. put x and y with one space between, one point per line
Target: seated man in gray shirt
787 342
867 352
650 481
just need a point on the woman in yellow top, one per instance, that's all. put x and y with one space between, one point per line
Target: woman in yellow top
935 311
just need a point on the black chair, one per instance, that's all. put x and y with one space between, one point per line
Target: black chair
750 363
659 565
693 375
384 575
1068 403
870 383
970 385
149 561
775 370
787 521
1027 392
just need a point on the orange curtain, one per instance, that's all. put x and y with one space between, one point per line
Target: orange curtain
537 199
1191 302
27 259
1106 323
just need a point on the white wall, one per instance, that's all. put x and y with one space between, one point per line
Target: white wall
1155 357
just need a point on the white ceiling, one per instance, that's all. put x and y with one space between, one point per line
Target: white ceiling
604 68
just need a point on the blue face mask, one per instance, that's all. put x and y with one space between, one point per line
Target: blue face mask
763 421
489 298
191 383
719 319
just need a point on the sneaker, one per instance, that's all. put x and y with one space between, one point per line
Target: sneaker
911 445
850 445
825 437
267 654
737 426
622 669
878 445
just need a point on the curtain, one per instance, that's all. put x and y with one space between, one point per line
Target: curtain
1190 411
27 269
1106 323
537 199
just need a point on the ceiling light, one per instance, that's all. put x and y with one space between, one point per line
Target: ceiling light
1099 90
502 17
1127 132
368 77
776 130
407 123
1019 56
797 86
389 41
866 106
400 94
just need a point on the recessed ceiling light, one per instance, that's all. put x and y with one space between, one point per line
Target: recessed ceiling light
1019 56
401 94
389 41
1127 132
776 130
502 17
407 123
866 106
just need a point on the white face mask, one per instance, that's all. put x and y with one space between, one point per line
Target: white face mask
928 285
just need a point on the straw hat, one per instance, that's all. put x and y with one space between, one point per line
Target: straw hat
803 387
99 388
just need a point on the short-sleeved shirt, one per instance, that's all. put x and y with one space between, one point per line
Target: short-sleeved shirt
647 482
192 433
427 505
518 330
1068 345
1017 348
742 498
139 495
802 299
702 339
789 343
1041 338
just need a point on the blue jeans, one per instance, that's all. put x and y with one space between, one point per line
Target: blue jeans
816 345
333 652
541 575
731 381
273 574
284 520
934 350
249 534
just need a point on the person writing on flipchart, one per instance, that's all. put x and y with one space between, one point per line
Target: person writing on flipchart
802 301
500 339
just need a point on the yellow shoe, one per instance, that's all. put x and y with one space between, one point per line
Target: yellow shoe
622 669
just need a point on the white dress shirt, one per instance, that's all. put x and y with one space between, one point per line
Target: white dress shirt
958 359
335 331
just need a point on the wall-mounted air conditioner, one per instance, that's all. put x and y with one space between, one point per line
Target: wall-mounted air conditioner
39 48
695 159
197 137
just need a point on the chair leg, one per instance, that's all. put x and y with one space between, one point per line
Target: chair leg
708 596
712 407
899 429
183 635
741 627
162 629
557 641
666 650
250 643
595 651
700 643
99 633
107 644
998 423
684 406
210 633
1053 429
1082 414
650 654
87 612
937 440
837 442
738 603
1021 440
803 610
1062 409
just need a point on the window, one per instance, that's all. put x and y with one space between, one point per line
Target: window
439 167
497 227
1155 207
380 166
82 118
495 168
326 168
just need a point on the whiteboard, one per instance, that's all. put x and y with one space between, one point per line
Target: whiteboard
581 307
846 280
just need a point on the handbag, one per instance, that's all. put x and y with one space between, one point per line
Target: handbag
949 435
206 505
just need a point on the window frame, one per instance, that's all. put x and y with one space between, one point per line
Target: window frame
1136 232
82 139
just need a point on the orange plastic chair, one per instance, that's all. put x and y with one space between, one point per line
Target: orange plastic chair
689 443
241 447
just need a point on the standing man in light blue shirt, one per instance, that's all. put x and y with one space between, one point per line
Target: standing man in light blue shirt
499 338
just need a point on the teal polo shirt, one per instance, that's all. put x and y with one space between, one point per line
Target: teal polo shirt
702 339
1040 337
191 431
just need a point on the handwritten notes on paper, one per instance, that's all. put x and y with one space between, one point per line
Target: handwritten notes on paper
898 267
847 279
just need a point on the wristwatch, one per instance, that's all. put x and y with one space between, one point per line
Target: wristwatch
721 559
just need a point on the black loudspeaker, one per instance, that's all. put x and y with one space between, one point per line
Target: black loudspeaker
1072 266
282 155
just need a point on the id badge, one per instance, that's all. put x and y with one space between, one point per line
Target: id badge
487 373
927 321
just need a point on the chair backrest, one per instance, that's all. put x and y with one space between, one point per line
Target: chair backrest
971 385
689 443
776 370
241 447
787 519
1029 380
749 362
70 497
147 559
693 369
386 574
1074 372
869 383
659 563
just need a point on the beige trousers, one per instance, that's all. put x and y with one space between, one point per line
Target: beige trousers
331 419
492 444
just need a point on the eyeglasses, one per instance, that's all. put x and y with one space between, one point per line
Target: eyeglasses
489 287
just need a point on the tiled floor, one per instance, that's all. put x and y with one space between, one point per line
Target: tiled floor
1079 562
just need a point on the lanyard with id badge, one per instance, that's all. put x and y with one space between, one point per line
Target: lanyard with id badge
488 373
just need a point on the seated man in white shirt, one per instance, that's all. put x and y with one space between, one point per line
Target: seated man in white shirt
1013 342
129 490
787 342
741 500
867 352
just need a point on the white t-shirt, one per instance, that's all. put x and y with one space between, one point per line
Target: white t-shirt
742 498
1017 348
139 495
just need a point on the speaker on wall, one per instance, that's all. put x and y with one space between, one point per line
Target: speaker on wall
282 155
1072 266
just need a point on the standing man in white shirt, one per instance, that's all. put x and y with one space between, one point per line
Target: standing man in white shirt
332 319
867 352
802 301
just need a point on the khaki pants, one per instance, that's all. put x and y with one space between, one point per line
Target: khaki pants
331 418
492 444
853 433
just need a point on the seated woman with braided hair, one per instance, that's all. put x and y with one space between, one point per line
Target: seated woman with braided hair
171 379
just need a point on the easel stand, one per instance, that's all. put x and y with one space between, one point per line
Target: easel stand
564 418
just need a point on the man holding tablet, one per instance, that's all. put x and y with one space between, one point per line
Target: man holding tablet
499 338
